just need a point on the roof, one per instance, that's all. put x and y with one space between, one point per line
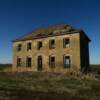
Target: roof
54 30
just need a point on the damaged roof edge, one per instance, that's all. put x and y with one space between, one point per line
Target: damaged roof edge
50 31
72 32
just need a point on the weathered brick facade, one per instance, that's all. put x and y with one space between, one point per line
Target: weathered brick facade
74 57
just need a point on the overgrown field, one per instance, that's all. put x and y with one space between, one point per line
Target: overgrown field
5 66
95 68
48 86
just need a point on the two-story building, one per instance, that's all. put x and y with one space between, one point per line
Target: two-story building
56 48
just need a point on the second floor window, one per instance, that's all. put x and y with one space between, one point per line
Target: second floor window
19 47
29 46
66 42
52 44
39 45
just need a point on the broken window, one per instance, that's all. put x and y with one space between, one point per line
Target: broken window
29 62
19 47
52 61
39 45
66 61
52 44
19 62
29 46
66 43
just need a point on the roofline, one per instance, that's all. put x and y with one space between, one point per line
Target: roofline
68 33
72 32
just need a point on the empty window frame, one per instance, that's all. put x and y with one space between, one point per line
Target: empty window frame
19 47
52 44
52 61
66 61
19 61
29 62
29 46
39 45
66 42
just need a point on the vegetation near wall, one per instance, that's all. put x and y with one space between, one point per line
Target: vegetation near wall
5 67
48 86
95 68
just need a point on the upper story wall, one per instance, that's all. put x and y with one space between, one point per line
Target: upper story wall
45 44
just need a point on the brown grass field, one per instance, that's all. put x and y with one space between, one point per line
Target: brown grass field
49 86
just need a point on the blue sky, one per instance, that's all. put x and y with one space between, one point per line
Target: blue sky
17 17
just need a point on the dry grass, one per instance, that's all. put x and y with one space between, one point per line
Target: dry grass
50 86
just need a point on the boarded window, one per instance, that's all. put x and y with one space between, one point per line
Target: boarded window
39 45
19 47
29 46
52 61
29 62
66 42
19 61
66 60
52 44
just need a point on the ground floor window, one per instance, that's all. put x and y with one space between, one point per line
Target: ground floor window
66 61
29 62
19 60
52 61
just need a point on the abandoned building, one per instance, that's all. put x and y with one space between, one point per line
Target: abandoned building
57 48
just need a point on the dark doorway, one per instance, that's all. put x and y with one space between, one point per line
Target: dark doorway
39 63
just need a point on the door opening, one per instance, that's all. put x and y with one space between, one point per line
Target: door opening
39 63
